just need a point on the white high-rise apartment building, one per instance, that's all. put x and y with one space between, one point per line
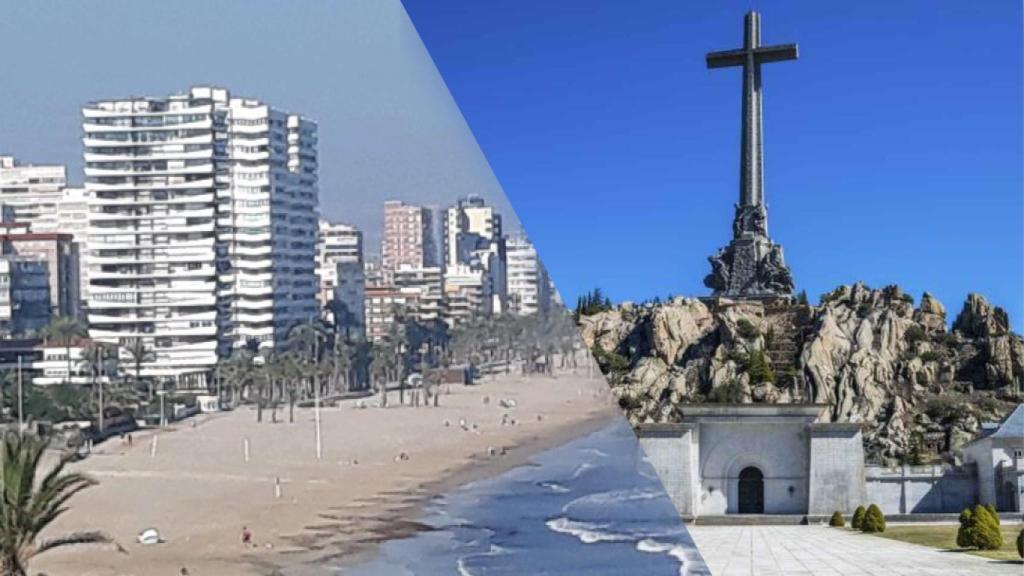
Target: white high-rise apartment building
202 225
528 285
73 218
338 244
32 192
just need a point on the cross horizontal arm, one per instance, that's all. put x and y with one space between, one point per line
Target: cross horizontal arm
776 53
726 58
762 55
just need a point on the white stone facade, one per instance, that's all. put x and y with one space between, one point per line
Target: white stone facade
756 459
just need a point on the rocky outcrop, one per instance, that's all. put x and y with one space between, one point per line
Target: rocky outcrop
868 354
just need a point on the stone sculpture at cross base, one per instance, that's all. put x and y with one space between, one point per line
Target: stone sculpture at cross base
751 266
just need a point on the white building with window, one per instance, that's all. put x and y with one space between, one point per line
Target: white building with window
474 244
32 192
528 285
338 244
202 225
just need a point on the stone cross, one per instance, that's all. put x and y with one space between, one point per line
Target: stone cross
750 57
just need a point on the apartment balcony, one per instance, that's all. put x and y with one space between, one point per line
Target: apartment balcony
94 128
94 172
109 156
146 199
93 145
204 183
96 112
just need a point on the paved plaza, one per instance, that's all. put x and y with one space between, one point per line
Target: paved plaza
821 551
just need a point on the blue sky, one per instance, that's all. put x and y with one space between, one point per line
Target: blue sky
388 126
893 145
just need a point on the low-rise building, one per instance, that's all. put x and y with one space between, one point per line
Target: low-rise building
24 296
52 363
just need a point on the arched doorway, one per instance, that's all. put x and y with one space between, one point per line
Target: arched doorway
751 491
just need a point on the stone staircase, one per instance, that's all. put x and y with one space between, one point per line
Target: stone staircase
788 327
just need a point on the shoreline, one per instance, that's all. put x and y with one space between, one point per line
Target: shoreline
379 470
414 508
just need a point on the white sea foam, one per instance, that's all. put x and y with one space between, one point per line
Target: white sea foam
674 550
460 564
603 499
554 487
595 452
586 532
582 468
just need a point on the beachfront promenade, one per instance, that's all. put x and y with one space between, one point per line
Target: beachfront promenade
378 464
821 551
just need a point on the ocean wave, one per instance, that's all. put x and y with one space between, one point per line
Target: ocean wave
464 570
581 469
624 496
554 487
586 532
674 550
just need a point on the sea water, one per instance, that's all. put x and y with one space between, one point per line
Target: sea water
593 506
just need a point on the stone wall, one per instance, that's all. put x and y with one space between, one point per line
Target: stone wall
671 451
837 468
921 489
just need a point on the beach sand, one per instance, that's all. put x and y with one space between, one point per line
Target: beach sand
199 491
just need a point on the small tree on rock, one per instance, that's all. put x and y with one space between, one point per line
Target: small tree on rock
837 520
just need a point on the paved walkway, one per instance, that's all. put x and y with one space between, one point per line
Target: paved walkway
821 551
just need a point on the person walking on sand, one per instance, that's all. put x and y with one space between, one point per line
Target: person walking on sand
246 536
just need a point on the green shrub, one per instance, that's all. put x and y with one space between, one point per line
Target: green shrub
930 356
965 534
1020 543
874 520
837 521
610 362
746 329
758 368
730 392
914 334
858 518
992 510
986 534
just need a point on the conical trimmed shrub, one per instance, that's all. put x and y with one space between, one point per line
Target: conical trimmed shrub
965 534
992 510
837 520
874 520
858 518
986 534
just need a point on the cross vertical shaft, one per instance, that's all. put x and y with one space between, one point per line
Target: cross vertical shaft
750 57
751 174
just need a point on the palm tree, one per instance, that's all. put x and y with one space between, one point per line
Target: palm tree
237 372
97 361
139 353
65 330
30 504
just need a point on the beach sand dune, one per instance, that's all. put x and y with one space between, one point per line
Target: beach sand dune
307 515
